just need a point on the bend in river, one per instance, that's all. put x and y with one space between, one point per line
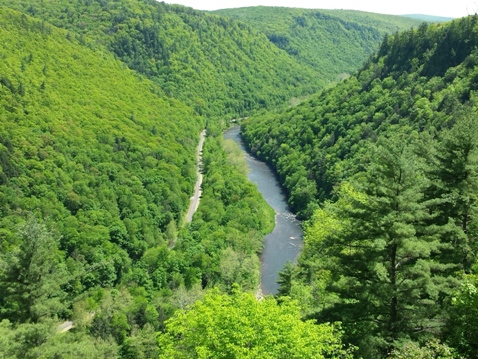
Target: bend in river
284 243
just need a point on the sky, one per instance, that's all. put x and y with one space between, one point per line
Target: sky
447 8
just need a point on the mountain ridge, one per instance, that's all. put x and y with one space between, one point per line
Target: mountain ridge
206 61
335 42
429 18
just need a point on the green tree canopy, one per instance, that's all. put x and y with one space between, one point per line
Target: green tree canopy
240 326
461 330
335 42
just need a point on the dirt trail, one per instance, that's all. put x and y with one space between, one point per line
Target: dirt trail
65 326
193 206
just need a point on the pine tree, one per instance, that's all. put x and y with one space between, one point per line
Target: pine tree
389 285
454 191
32 276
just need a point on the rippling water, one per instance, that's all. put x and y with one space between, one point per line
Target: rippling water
285 241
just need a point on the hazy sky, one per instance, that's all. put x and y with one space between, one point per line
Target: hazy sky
448 8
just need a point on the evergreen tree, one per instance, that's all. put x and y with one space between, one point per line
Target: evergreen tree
454 190
32 275
285 279
389 286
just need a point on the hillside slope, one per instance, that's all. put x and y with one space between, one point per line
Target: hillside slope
214 64
418 77
429 18
334 42
90 146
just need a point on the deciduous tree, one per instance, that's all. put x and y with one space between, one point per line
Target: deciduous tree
240 326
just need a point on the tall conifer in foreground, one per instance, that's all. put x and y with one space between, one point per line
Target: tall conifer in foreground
390 288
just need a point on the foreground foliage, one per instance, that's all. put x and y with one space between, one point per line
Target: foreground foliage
461 332
390 264
240 326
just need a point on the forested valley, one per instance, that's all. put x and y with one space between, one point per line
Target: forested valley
101 107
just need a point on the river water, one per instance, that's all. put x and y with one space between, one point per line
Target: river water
284 243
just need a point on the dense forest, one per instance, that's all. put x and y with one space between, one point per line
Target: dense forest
384 167
334 42
101 107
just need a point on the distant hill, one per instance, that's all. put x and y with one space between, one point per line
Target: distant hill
333 42
429 18
215 64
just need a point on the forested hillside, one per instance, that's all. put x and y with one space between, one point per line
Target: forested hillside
384 166
95 167
89 144
420 78
216 65
429 18
334 42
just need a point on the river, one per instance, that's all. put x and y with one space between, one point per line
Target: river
284 243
